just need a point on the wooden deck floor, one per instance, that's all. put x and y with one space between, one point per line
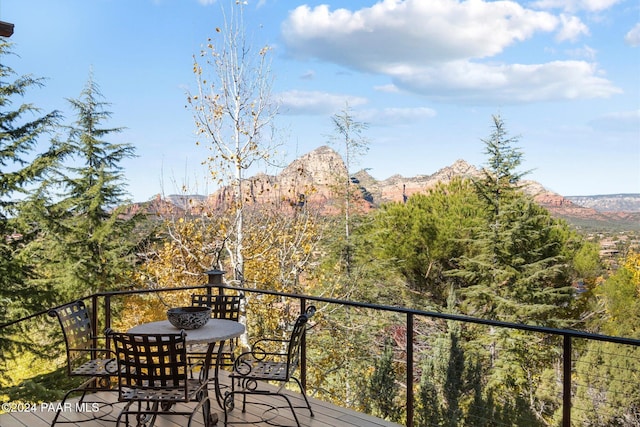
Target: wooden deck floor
325 415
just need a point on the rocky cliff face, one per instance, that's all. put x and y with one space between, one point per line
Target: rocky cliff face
316 177
312 178
397 188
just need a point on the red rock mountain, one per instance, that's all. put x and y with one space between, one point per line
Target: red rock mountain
316 176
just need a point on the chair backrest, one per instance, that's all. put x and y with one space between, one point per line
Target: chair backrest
295 340
151 362
78 334
222 306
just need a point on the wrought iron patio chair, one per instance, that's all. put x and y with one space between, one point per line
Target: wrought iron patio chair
222 307
85 358
270 360
153 376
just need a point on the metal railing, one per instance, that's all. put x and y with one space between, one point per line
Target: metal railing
567 336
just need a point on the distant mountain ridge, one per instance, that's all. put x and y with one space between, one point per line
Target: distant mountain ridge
313 177
609 202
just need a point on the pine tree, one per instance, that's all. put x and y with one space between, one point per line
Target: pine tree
383 388
501 176
429 411
519 271
22 129
89 245
445 381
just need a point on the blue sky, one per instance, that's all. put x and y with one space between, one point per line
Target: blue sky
426 75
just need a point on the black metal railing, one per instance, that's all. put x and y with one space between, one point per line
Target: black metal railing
102 303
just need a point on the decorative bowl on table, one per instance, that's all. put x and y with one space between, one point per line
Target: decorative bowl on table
189 317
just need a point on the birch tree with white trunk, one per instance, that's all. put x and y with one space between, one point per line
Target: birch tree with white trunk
234 115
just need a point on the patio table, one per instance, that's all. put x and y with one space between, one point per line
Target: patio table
215 331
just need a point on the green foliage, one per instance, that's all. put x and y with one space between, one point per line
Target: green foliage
428 412
447 381
19 135
501 177
32 378
22 127
516 374
586 261
518 272
383 388
511 260
85 244
607 394
619 295
607 374
518 269
343 359
420 238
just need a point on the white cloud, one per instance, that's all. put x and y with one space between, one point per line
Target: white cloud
576 5
396 116
294 102
633 36
441 48
206 2
619 121
572 28
308 75
427 32
389 88
464 81
585 51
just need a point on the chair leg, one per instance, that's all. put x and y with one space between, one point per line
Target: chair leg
293 411
244 402
146 417
80 389
228 405
304 394
226 409
125 412
210 419
242 386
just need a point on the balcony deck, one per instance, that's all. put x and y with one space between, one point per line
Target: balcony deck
325 415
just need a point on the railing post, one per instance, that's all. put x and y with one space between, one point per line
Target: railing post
94 324
409 369
215 279
566 381
107 311
303 349
107 317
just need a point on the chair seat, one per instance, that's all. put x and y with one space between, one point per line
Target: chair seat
194 386
276 371
97 368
